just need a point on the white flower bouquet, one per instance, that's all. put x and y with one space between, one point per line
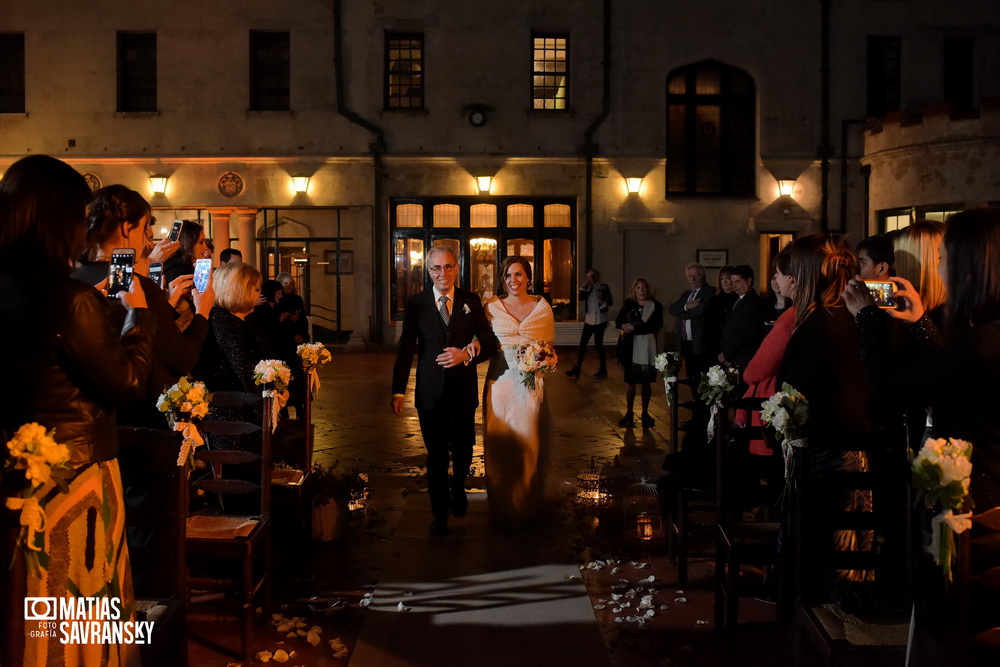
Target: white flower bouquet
787 412
313 355
534 359
941 473
668 365
273 375
183 404
34 450
713 388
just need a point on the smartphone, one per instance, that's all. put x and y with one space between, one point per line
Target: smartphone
120 270
175 231
202 272
882 291
156 273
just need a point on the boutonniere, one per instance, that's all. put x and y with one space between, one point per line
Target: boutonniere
465 309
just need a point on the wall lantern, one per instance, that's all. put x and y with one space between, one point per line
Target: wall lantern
484 183
633 184
785 186
158 184
300 183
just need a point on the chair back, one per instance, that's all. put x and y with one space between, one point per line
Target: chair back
232 440
732 447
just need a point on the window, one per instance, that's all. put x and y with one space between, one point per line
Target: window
550 72
12 72
940 212
404 71
959 69
136 71
711 131
270 71
483 233
895 218
883 75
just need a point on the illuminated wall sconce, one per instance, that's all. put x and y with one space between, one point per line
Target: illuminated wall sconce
300 183
158 184
633 184
484 183
785 186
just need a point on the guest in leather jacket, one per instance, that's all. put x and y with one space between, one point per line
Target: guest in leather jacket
67 369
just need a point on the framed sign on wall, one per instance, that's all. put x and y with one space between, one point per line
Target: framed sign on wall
713 259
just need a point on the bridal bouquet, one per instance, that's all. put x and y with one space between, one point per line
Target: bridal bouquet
43 460
713 388
787 412
941 472
668 364
182 404
313 355
535 358
273 375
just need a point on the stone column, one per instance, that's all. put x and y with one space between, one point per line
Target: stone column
246 220
220 229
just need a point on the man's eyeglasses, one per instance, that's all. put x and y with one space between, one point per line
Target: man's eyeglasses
436 270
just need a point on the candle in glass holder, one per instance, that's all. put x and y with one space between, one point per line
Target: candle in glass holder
644 526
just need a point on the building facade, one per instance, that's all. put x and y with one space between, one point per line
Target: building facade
398 111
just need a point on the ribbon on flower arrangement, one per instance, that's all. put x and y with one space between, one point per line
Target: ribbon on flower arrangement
667 383
944 527
278 400
313 380
192 440
713 414
32 518
788 446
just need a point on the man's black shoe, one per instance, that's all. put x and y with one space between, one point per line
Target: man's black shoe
439 527
459 502
600 375
573 372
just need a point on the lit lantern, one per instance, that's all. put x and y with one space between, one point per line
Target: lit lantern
643 521
618 478
590 487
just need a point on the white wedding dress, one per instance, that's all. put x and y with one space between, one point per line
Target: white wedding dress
515 420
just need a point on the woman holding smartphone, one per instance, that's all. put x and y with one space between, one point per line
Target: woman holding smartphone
67 369
119 219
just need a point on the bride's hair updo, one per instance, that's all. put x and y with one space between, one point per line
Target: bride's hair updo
513 259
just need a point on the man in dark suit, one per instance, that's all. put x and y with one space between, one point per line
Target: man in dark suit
438 324
744 327
690 310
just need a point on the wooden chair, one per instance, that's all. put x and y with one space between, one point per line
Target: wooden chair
155 489
739 542
860 633
244 538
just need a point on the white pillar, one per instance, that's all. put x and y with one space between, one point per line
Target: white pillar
220 229
246 221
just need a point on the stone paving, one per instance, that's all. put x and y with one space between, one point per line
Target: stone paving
326 584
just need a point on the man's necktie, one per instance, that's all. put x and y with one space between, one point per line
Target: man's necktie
444 310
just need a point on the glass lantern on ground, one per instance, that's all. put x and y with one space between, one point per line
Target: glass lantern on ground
591 488
618 479
641 506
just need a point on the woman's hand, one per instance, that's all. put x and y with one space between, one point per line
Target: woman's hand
134 297
913 307
102 287
472 349
203 301
857 295
179 288
163 250
628 328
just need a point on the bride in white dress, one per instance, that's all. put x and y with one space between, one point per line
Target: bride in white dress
514 416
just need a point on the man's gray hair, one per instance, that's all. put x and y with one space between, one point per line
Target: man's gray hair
439 248
694 265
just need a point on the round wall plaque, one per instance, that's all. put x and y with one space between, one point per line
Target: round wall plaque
231 184
93 180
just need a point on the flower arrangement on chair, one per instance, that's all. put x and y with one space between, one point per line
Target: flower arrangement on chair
713 388
44 461
313 355
534 359
941 474
273 375
787 412
668 365
183 404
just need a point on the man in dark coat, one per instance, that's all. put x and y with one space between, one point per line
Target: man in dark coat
690 310
744 328
438 324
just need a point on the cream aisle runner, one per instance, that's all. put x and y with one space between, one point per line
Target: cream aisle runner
478 597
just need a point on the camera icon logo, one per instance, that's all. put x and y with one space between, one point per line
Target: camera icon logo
40 609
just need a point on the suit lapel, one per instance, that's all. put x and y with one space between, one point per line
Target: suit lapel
457 313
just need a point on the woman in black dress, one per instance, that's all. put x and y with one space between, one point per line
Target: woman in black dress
640 320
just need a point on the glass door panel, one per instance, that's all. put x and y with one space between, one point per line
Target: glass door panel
483 267
558 277
409 268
